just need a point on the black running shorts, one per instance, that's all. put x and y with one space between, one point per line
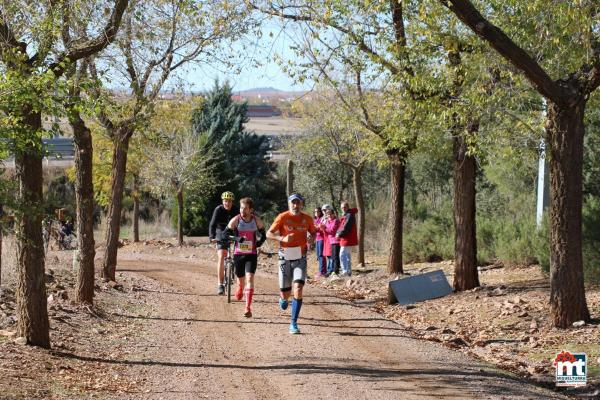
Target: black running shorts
244 263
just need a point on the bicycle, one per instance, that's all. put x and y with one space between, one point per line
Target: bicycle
55 237
229 266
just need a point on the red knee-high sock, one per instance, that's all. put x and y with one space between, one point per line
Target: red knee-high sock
249 294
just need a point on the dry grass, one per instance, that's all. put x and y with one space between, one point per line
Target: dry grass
160 227
9 261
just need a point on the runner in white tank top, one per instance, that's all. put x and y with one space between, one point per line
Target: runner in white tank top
248 226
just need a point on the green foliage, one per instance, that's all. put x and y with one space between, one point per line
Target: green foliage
239 158
591 239
511 241
431 239
591 155
60 193
317 176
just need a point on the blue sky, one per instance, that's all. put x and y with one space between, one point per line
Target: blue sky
275 41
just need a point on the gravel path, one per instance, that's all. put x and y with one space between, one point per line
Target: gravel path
195 345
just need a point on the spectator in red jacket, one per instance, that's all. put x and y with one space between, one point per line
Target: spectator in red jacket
348 237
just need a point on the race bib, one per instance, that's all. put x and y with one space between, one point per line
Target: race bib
245 246
292 253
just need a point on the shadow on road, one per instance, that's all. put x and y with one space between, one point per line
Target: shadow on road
495 382
271 322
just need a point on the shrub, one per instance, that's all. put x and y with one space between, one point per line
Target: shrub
429 240
591 239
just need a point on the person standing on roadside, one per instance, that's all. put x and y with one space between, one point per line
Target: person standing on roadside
330 227
292 229
347 236
319 242
221 216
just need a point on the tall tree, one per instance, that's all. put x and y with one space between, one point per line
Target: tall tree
84 185
160 36
345 140
577 63
174 165
323 179
33 61
373 37
240 156
173 158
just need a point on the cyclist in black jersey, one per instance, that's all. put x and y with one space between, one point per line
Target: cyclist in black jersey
220 218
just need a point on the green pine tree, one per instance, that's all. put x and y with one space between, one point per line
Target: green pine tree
240 156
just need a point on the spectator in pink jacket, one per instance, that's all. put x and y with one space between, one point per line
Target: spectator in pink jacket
319 243
331 247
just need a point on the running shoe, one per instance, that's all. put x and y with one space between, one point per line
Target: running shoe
283 304
239 293
221 289
247 313
294 328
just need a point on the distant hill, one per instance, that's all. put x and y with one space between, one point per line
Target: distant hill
260 90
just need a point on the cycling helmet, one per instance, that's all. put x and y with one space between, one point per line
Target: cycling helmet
326 207
227 196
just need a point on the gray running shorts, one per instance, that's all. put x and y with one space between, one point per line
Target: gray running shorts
291 272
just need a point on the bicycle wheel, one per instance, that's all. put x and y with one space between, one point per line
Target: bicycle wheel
229 275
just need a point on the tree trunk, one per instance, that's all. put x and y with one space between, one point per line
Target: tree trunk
465 245
84 197
180 216
565 130
360 204
113 221
398 171
32 312
290 177
136 210
1 237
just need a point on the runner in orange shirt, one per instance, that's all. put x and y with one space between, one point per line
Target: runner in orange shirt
291 229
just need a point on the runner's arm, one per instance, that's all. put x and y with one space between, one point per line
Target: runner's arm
233 223
274 236
259 223
262 236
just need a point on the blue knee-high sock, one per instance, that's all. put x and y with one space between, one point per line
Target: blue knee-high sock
296 305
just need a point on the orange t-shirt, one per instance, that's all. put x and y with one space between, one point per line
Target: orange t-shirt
287 223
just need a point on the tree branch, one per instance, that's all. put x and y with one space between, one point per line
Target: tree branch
106 122
94 45
593 73
471 17
127 52
8 41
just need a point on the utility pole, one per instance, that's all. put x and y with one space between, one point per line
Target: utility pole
542 184
290 177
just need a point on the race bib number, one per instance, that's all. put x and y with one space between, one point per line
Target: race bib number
292 253
245 247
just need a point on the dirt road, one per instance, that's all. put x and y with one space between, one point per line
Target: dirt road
198 346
